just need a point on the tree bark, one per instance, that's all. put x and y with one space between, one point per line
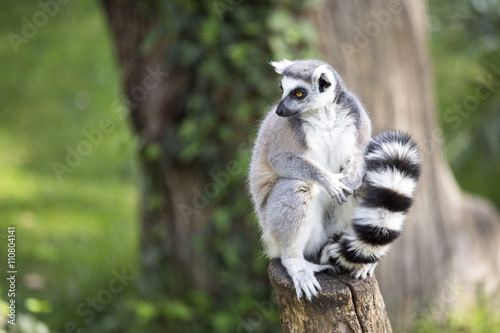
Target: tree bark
343 305
154 99
450 247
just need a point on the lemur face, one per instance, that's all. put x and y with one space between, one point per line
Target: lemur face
306 86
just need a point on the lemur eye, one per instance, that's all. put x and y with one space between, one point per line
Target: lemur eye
281 88
299 93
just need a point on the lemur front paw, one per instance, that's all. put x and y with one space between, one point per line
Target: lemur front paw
352 182
337 190
302 274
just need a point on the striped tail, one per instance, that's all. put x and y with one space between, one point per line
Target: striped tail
393 169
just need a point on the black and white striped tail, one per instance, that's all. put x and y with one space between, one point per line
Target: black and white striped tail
393 169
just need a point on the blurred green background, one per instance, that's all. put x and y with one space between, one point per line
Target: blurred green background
76 234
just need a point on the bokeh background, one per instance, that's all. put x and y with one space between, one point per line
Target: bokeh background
84 260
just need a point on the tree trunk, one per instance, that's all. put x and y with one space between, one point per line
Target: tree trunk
153 98
450 247
343 304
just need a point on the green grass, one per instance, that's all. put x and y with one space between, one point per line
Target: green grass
72 233
480 320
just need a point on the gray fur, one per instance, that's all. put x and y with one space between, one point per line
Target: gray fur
303 69
301 191
355 170
296 123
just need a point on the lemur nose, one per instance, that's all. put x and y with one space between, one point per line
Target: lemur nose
282 110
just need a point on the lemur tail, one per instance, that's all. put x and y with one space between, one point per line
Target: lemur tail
393 168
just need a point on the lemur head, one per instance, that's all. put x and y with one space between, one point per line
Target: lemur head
307 85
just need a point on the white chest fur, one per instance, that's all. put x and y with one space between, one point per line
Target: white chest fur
330 137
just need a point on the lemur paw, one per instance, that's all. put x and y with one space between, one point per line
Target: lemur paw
372 268
352 183
302 274
363 272
337 190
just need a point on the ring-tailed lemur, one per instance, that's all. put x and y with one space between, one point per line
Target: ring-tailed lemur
312 152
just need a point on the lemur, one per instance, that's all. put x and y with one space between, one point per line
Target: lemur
327 196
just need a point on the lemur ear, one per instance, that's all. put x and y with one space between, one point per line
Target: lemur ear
323 82
279 66
324 77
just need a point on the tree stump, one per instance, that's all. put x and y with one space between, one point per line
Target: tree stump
343 305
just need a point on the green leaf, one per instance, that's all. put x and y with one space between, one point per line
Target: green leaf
37 305
177 311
